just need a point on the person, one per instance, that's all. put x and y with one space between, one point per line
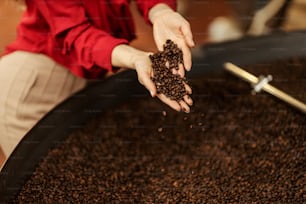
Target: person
61 45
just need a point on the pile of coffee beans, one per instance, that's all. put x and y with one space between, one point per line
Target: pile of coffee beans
164 63
234 147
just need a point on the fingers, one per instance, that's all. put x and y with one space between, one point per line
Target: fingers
173 104
186 103
188 89
188 100
159 45
180 40
186 31
186 57
180 71
145 79
183 105
188 43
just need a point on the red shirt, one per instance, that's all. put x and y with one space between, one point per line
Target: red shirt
79 34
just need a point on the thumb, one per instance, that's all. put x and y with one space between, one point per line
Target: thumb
146 81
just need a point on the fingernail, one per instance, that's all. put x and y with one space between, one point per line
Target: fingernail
190 100
152 94
184 109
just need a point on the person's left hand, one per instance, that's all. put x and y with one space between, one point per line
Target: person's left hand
168 24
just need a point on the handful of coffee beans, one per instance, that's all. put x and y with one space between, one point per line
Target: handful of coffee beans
166 82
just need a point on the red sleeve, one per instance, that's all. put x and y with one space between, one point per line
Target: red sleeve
73 33
145 6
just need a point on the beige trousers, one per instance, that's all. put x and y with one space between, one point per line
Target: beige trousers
30 86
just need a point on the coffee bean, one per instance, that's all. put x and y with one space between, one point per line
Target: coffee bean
167 83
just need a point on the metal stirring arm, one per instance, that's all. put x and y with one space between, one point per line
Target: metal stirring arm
262 83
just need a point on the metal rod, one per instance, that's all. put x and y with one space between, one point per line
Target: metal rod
266 87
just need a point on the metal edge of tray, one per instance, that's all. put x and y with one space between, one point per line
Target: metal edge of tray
248 50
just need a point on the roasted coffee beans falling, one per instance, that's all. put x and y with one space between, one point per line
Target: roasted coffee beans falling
166 82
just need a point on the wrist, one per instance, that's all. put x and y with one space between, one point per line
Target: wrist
126 56
158 10
138 58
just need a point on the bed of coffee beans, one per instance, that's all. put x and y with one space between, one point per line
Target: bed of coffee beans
234 147
164 63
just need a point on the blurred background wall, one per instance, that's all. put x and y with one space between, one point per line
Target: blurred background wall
199 12
10 13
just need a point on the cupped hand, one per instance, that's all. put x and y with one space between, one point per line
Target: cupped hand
144 71
168 24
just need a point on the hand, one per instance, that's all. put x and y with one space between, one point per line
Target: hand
144 72
168 24
129 57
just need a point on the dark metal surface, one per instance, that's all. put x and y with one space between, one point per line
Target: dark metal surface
56 125
248 50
